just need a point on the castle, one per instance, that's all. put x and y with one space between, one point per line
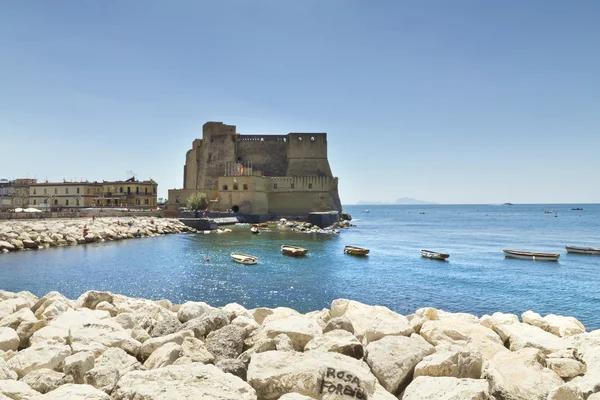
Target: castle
284 175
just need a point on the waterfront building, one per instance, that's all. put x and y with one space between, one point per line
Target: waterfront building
285 175
59 195
128 193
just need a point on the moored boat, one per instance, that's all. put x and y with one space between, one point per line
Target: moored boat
356 251
254 229
583 250
244 258
293 250
526 255
434 255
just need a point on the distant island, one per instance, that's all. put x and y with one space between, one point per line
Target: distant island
402 200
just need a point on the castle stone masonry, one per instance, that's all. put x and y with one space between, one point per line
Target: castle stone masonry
259 174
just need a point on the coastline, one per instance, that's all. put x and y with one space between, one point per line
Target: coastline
108 346
39 234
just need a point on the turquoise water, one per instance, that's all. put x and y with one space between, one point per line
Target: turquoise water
476 279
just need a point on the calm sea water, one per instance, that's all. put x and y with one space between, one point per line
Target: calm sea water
476 279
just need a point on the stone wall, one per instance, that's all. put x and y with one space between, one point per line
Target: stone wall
267 153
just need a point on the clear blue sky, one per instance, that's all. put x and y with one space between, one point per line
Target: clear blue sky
447 101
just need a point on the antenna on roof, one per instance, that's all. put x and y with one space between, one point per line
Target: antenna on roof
131 175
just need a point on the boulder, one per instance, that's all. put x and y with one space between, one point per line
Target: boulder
259 346
5 371
109 367
92 298
393 358
140 334
299 329
17 390
249 324
208 322
49 335
283 342
9 340
563 326
233 366
454 362
72 391
275 373
163 356
295 396
520 376
227 342
566 392
45 380
321 317
182 382
238 310
33 358
196 351
588 345
338 341
77 365
106 306
276 314
339 323
455 332
151 345
97 338
192 309
566 368
371 322
446 388
24 323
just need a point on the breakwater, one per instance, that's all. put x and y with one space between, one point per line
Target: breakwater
38 234
107 346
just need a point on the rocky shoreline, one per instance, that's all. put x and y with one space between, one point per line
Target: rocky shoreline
39 234
106 346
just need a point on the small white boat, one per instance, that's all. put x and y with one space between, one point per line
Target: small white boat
244 258
526 255
254 229
434 255
583 250
356 251
293 250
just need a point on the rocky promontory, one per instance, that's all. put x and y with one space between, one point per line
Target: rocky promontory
105 346
38 234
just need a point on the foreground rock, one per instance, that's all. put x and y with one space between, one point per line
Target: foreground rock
445 388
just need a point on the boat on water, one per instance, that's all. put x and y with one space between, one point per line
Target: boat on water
293 250
526 255
356 251
434 255
254 229
583 250
577 209
244 258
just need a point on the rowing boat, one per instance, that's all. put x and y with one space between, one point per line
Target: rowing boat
583 250
244 258
434 255
254 229
293 250
526 255
356 251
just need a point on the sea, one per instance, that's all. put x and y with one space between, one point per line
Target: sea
476 279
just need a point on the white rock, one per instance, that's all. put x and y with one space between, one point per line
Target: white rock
192 309
371 322
196 351
5 371
9 340
275 373
295 396
106 306
452 362
151 345
566 392
338 341
49 335
463 334
44 380
97 339
249 324
283 342
109 367
77 365
519 376
17 390
446 388
238 310
393 358
75 392
34 358
163 356
277 314
566 368
563 326
182 382
588 345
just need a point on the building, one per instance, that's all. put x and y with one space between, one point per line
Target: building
53 196
128 193
286 175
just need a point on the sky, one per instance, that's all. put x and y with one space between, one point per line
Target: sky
448 101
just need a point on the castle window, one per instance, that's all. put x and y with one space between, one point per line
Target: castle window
33 191
77 201
55 191
274 186
262 139
310 185
44 191
224 187
33 201
77 190
66 202
292 185
235 187
177 199
66 190
312 138
245 186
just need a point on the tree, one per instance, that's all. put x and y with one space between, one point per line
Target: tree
197 201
